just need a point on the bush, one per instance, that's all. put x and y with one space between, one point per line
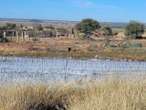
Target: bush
3 40
107 30
10 26
134 29
132 45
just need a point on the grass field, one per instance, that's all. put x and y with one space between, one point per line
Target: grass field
111 94
80 48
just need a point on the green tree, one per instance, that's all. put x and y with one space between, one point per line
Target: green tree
38 27
10 26
87 26
134 29
107 31
2 27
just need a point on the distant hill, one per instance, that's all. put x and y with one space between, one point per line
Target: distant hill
38 21
35 20
56 22
115 24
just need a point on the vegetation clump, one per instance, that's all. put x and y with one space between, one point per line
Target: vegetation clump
134 29
87 26
107 31
132 45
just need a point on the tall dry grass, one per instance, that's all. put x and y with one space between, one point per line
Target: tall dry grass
86 95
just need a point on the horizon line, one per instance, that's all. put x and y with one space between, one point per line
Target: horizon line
65 20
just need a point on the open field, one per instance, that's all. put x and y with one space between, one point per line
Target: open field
111 94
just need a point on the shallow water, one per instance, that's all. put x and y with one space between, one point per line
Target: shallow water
17 69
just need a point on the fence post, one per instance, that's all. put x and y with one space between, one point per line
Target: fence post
66 66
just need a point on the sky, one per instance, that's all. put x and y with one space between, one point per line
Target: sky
75 10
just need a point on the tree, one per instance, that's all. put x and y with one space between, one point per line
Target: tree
107 34
87 26
2 27
39 27
10 26
134 29
107 31
62 31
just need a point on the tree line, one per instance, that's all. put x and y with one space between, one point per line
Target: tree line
133 29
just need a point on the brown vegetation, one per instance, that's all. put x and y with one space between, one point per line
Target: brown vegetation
80 48
111 94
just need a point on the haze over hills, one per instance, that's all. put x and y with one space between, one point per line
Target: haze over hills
56 22
44 21
34 20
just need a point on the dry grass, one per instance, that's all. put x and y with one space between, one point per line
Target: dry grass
81 48
87 95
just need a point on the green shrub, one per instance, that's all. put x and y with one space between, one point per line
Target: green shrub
134 29
3 40
132 45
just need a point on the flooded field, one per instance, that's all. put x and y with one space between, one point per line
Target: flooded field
17 69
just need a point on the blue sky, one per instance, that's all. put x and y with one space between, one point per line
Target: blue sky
102 10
